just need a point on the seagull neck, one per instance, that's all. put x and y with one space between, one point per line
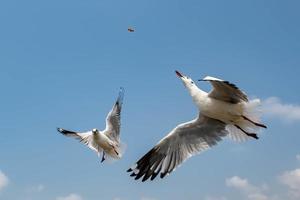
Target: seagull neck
197 94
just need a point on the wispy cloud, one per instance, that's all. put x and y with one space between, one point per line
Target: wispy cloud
3 180
142 198
292 180
148 198
36 188
215 198
273 107
70 197
298 157
251 191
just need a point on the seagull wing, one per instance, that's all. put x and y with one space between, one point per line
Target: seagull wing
184 141
87 138
113 119
225 91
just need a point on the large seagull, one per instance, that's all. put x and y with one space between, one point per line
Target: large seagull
107 142
223 111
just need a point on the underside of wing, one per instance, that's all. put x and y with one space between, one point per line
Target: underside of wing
181 143
86 138
113 119
225 91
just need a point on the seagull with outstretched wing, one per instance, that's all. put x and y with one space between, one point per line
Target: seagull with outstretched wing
224 111
107 142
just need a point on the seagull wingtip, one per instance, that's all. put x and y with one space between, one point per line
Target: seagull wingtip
129 170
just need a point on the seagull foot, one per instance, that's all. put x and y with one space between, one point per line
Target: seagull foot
103 157
254 135
255 123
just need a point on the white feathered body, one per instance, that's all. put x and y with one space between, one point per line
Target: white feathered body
216 109
110 147
226 112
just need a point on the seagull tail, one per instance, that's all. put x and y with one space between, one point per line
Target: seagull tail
111 157
121 149
252 111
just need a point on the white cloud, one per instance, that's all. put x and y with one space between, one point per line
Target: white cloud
251 192
3 180
273 107
148 198
36 188
239 183
214 198
292 180
40 187
70 197
298 157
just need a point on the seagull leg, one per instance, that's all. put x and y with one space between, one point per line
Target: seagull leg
116 152
103 157
254 135
255 123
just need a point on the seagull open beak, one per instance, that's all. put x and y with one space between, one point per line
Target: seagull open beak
178 74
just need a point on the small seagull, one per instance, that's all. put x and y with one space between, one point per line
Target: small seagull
224 111
130 30
106 142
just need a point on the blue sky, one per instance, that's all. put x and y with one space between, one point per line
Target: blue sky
62 63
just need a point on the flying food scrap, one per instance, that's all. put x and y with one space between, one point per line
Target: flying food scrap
130 30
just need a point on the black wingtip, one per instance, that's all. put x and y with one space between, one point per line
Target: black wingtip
153 176
60 130
147 176
162 175
129 170
144 179
120 96
132 174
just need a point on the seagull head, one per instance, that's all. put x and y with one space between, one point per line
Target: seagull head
187 81
95 130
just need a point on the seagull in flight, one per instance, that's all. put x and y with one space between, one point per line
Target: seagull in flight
107 142
223 111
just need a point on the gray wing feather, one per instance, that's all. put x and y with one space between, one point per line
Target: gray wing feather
181 143
225 91
87 138
113 119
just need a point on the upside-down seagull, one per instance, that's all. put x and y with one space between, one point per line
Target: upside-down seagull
106 142
224 111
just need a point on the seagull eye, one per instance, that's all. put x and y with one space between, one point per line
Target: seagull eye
192 82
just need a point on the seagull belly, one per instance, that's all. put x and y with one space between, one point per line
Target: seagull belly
108 146
103 142
226 112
